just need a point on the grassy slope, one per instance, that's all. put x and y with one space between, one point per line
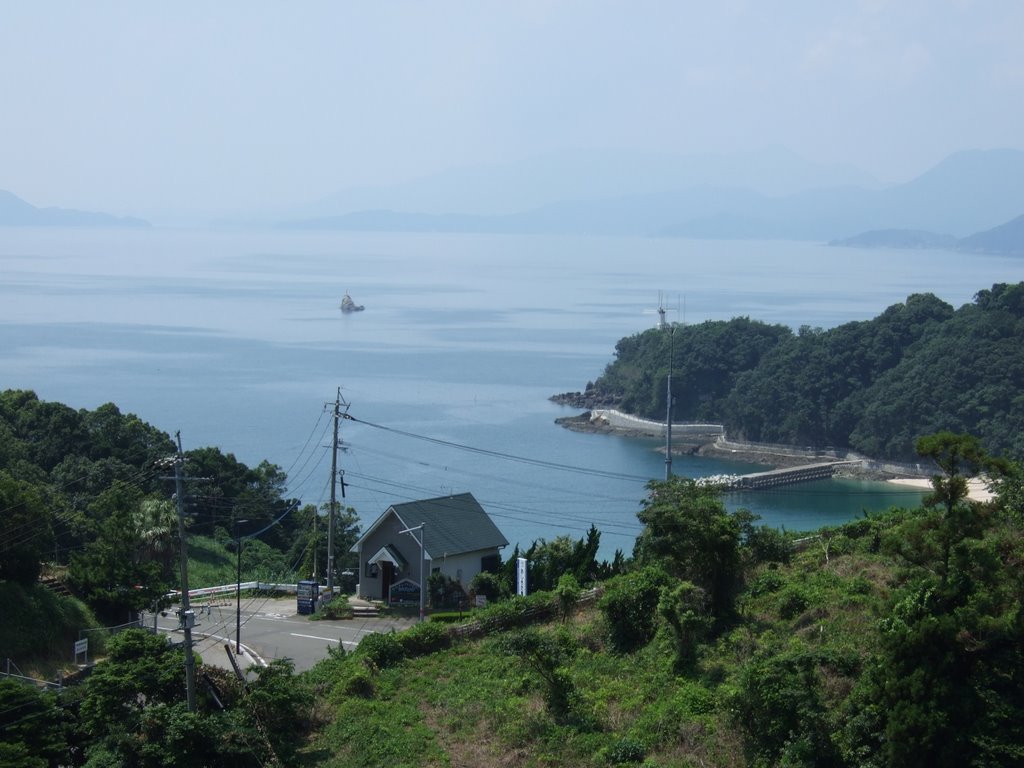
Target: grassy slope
212 563
38 629
471 706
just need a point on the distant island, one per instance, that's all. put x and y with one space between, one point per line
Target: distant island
897 238
968 192
15 212
1006 239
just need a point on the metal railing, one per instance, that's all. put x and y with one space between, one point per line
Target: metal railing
33 681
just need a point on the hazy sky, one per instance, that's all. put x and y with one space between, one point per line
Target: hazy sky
138 108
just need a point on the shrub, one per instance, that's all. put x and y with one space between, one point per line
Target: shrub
768 545
792 603
337 607
779 706
491 585
626 750
766 583
568 593
517 612
357 682
425 638
631 608
547 655
382 649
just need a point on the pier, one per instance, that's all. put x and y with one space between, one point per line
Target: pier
786 476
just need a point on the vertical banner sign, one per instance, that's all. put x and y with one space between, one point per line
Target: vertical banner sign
521 576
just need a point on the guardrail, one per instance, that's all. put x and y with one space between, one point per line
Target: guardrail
261 586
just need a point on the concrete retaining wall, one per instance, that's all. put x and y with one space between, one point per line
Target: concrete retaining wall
625 421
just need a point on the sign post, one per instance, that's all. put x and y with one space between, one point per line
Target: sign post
82 647
521 576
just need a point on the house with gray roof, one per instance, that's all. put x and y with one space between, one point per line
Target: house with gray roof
459 541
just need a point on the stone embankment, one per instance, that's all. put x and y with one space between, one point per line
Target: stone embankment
687 436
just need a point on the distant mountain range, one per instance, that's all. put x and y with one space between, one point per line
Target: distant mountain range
15 212
1006 239
719 198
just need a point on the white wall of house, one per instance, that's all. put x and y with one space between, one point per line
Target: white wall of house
462 568
388 533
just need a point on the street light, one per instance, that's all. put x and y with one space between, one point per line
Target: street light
238 590
423 587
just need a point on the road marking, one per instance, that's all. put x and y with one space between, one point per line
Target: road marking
315 637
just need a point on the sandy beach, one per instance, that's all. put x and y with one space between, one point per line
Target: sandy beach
977 488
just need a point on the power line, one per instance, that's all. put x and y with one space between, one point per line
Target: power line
500 455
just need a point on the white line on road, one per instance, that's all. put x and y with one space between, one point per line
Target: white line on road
315 637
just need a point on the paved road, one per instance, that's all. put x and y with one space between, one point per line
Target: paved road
272 629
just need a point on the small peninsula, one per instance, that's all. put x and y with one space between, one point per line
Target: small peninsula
1006 239
869 387
15 212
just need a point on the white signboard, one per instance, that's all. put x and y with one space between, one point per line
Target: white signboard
521 576
81 646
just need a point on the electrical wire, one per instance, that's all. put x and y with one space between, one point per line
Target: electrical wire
501 455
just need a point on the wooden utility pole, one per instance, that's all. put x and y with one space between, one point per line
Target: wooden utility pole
185 614
316 570
668 409
338 402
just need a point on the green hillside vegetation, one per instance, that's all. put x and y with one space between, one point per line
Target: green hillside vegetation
88 492
39 628
873 386
893 640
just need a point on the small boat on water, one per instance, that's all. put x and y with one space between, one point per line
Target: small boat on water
347 305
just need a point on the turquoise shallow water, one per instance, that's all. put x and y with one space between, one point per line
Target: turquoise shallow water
236 340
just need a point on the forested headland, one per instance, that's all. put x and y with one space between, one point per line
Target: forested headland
871 386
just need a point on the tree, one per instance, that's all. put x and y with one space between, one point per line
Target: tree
25 534
689 533
308 544
31 727
684 609
944 689
960 518
548 656
114 571
630 607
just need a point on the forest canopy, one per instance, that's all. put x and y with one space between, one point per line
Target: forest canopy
872 386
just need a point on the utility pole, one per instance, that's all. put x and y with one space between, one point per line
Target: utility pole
185 614
316 570
334 479
668 409
422 528
238 589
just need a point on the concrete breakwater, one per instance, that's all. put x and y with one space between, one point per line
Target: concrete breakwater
627 422
711 440
611 420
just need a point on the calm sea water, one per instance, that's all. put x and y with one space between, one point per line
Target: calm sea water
236 340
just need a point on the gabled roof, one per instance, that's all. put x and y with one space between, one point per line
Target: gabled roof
389 554
453 525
